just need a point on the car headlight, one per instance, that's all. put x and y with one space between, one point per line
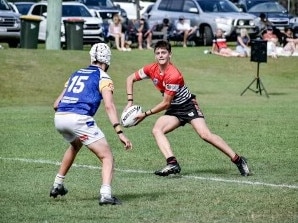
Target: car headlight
223 21
241 22
251 23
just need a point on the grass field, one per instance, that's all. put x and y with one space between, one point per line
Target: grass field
209 189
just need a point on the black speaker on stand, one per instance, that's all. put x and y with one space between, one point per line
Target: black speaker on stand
259 55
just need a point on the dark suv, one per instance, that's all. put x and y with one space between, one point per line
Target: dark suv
9 25
274 11
207 15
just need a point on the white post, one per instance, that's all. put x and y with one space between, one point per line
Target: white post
54 13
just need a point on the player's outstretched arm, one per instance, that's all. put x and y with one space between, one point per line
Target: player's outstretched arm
129 90
113 117
57 101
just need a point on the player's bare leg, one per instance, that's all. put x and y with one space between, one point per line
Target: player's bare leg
203 131
164 125
68 158
102 150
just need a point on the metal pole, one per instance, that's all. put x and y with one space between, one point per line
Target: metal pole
138 9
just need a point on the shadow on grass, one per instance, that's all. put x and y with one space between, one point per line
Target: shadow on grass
277 93
208 171
149 196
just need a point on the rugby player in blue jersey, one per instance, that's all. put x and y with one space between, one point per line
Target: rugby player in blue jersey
75 108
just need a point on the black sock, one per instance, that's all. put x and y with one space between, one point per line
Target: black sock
172 160
236 159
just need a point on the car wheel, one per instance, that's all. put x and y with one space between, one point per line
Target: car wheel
13 44
207 36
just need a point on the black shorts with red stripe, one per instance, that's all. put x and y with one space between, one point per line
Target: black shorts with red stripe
186 111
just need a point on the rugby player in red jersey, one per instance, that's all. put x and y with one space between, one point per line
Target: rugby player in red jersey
180 107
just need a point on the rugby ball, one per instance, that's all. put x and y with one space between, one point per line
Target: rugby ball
128 116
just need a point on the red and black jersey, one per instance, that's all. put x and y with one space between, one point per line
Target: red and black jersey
169 82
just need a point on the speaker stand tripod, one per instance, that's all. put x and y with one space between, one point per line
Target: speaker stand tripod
259 85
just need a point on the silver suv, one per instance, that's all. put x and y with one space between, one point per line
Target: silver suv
10 25
208 15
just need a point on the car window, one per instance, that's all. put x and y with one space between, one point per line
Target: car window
250 3
4 5
267 7
105 3
217 6
163 5
169 5
39 10
75 10
23 8
188 5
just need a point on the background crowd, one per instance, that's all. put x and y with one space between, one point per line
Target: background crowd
123 34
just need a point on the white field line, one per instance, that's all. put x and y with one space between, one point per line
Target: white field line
255 183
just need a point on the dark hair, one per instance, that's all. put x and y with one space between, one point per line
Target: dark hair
288 28
262 15
163 44
166 21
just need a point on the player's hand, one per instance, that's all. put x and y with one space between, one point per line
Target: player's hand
140 118
129 104
125 141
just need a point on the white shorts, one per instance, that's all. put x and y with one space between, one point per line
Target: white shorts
72 126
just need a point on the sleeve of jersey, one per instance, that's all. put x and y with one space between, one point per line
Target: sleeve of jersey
106 82
66 83
143 73
173 83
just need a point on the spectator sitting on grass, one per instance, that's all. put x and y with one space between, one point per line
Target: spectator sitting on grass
272 42
220 46
243 40
290 42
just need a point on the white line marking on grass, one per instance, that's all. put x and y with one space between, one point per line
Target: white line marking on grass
142 171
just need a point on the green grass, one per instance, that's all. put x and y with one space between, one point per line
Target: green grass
210 188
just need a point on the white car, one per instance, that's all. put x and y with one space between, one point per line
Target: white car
131 9
92 31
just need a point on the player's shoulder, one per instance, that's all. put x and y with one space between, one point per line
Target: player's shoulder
172 69
104 75
151 66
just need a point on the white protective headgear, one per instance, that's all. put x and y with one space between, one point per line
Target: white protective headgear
100 52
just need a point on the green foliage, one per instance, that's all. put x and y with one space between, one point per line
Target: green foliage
210 188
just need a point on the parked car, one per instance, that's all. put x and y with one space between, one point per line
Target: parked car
145 14
13 7
131 8
207 15
104 9
10 25
245 5
21 7
92 32
294 25
275 13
